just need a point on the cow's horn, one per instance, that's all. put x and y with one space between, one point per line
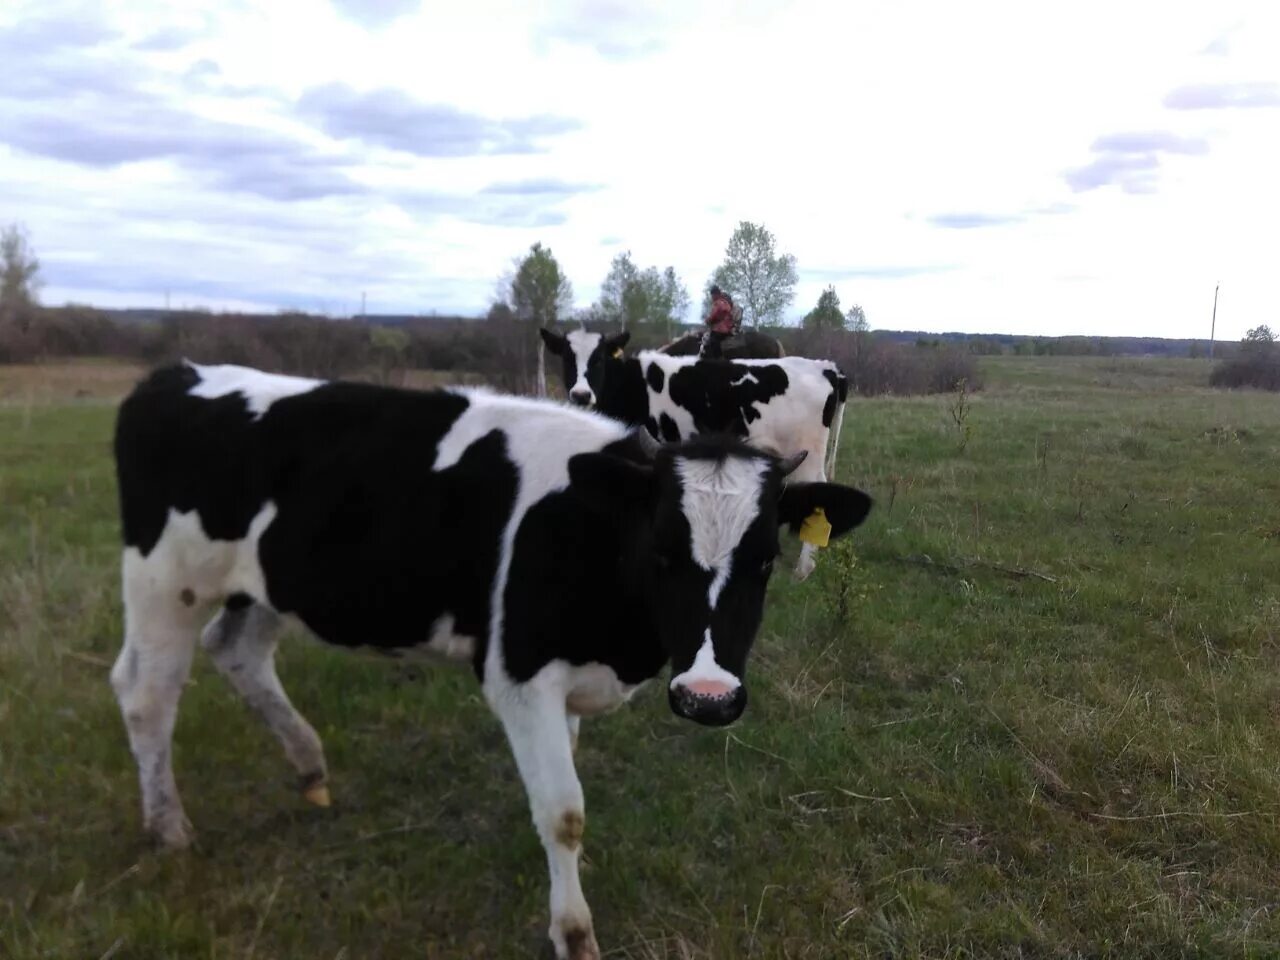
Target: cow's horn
648 445
790 463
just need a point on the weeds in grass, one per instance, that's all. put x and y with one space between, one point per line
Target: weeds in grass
1044 442
1221 436
960 408
841 588
897 484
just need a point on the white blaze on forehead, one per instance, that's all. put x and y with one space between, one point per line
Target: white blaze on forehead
704 669
260 390
582 344
720 500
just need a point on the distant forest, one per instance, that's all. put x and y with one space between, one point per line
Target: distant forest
984 344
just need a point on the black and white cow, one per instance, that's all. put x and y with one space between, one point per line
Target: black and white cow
567 557
788 406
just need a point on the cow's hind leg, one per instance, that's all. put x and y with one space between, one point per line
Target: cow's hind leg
161 626
241 639
538 727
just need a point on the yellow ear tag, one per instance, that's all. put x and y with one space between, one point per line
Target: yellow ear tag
617 354
816 529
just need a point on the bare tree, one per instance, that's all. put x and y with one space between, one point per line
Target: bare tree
856 320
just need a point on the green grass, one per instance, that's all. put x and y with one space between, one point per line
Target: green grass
1031 713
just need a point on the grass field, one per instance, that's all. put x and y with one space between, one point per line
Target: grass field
1032 713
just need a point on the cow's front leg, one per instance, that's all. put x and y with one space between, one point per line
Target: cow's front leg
806 562
574 722
538 726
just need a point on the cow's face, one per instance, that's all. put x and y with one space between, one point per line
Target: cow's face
705 519
582 356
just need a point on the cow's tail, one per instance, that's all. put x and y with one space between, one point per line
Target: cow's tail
837 422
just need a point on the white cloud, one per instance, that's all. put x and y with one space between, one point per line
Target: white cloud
990 166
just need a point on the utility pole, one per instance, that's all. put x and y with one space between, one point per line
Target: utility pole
362 296
1213 324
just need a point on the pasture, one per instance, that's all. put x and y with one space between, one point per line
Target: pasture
1033 712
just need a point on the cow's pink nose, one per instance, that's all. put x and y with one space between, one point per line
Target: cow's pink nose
709 688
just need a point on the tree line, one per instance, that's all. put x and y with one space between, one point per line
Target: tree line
760 279
650 301
537 290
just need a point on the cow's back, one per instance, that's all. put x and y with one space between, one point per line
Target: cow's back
765 401
380 515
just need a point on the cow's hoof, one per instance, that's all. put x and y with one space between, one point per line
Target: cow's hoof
315 789
173 833
319 795
574 941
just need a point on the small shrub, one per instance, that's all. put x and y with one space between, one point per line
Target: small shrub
840 583
1255 364
879 367
1260 370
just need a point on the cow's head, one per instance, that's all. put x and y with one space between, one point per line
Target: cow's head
582 356
700 527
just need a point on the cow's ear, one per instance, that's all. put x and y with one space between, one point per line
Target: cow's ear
843 507
609 483
613 345
554 341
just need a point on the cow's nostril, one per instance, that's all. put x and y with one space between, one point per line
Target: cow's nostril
709 688
699 703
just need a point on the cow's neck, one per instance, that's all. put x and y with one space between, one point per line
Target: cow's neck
640 629
623 394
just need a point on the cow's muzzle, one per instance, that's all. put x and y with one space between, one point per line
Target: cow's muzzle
707 706
580 398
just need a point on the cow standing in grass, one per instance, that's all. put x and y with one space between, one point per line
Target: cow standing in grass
566 557
788 406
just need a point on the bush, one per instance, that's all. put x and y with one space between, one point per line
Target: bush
70 331
1258 368
876 366
500 350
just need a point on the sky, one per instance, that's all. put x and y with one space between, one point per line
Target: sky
1071 168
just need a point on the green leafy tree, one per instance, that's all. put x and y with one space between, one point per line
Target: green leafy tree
631 296
675 298
19 278
539 290
534 293
621 296
826 315
1259 340
760 280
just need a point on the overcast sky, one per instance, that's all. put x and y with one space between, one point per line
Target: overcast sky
1006 167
